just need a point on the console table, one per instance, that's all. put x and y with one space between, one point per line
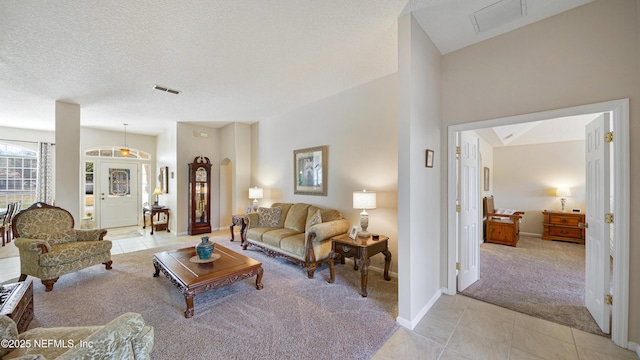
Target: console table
16 302
360 249
156 212
239 221
565 226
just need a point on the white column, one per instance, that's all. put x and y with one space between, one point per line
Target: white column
68 159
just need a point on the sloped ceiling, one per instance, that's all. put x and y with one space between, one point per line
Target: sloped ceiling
241 61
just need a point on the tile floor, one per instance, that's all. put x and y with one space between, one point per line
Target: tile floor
456 327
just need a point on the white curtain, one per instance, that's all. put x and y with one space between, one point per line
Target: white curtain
44 188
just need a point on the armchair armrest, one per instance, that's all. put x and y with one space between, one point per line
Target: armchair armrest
114 340
91 235
37 246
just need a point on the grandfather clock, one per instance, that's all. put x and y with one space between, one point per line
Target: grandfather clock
200 196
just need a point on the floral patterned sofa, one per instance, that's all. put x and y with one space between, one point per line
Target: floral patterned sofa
298 232
125 337
50 247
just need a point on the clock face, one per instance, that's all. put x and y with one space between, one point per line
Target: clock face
201 175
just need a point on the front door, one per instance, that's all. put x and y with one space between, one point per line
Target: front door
597 232
469 200
119 194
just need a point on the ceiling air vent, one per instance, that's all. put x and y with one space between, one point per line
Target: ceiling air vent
162 88
498 14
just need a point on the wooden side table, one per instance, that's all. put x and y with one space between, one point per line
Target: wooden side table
239 221
156 212
360 249
16 302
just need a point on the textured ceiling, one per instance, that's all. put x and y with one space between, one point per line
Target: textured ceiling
233 60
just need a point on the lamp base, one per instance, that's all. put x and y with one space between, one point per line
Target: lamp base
364 234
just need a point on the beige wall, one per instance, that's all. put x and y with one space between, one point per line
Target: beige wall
359 127
525 178
583 56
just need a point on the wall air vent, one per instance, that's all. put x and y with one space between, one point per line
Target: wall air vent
498 14
162 88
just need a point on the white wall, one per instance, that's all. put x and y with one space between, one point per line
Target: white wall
486 154
419 190
587 55
359 127
526 177
67 158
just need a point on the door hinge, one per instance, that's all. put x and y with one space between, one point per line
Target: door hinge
457 266
608 299
608 137
458 208
608 218
458 150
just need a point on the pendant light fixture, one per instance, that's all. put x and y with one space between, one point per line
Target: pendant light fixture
124 151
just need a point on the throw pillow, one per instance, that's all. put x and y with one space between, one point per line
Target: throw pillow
315 218
269 217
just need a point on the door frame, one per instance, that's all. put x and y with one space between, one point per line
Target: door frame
621 193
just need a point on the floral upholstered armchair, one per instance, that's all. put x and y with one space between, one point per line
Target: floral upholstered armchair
125 337
50 247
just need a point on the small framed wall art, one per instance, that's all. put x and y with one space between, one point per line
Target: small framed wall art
429 156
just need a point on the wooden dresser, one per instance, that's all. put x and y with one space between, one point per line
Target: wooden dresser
565 226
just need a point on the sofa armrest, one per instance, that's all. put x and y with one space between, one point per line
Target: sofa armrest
327 230
91 235
37 246
113 341
252 220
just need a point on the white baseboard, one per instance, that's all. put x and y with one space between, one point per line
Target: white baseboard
373 268
634 347
411 324
530 234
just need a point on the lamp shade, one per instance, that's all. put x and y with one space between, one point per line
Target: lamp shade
255 193
364 200
563 192
157 191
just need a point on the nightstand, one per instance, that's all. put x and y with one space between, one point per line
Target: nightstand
565 226
155 212
360 249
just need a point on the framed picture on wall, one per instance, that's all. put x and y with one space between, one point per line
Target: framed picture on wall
486 178
310 171
163 179
429 156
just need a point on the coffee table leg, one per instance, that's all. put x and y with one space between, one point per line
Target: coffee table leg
157 273
189 299
259 285
332 270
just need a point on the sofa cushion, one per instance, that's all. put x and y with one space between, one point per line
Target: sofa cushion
58 237
293 244
313 218
73 251
8 331
273 237
297 217
269 217
255 234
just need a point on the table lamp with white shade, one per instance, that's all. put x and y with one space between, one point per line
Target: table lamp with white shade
157 192
364 200
255 193
563 193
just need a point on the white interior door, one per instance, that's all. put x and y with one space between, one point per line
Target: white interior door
119 195
597 233
469 231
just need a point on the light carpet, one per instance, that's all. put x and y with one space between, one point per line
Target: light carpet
540 278
292 317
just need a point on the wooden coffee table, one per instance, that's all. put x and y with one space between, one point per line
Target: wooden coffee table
193 278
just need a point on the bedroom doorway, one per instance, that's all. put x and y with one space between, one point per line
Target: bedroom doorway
619 110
